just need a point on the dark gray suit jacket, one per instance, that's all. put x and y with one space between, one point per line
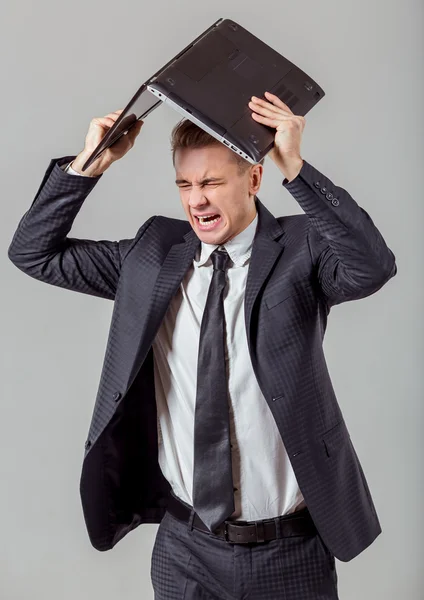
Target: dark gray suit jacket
301 265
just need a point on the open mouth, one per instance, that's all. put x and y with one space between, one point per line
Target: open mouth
210 222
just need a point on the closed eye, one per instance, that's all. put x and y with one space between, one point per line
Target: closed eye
183 187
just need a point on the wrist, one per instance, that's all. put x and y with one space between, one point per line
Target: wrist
292 169
93 170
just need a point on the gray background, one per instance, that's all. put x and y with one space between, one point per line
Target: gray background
64 64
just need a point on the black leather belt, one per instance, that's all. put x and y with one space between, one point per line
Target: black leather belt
242 532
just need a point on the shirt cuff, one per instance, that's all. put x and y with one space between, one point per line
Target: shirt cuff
68 169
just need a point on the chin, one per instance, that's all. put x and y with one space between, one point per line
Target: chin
212 237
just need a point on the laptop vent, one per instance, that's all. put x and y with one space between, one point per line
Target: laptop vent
286 95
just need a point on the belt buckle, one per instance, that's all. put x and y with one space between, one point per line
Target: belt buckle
260 531
259 527
226 533
226 523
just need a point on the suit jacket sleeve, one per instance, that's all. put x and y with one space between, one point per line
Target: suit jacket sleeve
349 254
42 249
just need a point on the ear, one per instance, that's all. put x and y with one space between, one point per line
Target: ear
255 178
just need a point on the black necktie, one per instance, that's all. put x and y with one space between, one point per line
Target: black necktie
213 493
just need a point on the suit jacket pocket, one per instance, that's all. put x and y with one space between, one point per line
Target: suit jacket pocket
297 288
333 438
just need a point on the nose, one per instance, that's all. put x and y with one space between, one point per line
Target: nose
197 199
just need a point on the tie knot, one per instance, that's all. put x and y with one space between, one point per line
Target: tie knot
220 259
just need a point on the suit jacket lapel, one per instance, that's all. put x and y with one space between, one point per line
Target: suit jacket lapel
267 247
172 272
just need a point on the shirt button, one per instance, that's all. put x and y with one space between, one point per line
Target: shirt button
335 202
329 196
116 396
317 184
323 190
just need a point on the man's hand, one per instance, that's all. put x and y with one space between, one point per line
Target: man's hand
98 128
286 150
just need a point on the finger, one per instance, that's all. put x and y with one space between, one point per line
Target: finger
104 122
135 130
268 110
278 102
113 115
269 121
261 105
257 103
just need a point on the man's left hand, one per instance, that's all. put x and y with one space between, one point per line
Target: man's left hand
286 150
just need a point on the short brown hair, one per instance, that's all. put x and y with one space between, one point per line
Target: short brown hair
187 134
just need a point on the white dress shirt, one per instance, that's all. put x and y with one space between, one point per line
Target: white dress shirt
265 485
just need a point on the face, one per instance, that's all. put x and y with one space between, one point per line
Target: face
210 184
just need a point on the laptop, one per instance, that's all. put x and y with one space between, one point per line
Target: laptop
211 81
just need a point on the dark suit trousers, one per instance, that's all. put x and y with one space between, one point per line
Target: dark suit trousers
189 564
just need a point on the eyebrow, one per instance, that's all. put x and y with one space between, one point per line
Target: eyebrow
207 180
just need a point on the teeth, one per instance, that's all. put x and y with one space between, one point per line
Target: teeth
202 220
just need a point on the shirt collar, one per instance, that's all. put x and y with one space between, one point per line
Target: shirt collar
239 248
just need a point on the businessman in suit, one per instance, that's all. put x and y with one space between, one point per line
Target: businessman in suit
215 414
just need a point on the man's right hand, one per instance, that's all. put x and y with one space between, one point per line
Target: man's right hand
96 132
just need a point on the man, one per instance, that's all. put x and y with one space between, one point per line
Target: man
215 414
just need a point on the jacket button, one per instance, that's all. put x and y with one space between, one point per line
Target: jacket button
323 190
87 444
116 396
329 196
335 202
317 184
